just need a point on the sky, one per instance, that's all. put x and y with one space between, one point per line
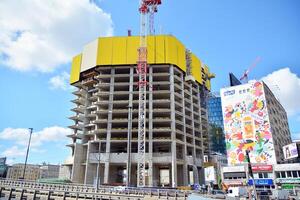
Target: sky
38 40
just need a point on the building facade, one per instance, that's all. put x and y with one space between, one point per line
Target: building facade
216 128
49 171
106 113
15 172
3 167
254 120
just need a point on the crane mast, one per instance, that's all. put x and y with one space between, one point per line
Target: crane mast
146 7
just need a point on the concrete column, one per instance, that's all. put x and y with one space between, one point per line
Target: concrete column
195 170
150 132
185 166
77 170
173 128
130 110
109 126
87 165
201 175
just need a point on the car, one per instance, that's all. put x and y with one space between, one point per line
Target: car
219 194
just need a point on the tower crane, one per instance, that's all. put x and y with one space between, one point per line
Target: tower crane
245 75
146 7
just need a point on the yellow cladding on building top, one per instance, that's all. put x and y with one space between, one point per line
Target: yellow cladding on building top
162 49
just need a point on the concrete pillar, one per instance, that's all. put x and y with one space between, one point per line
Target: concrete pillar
150 132
195 170
185 166
109 126
173 128
87 165
130 110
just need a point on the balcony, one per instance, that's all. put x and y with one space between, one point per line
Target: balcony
76 127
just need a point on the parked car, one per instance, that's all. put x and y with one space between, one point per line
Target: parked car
219 194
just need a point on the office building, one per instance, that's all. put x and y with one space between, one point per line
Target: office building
49 171
106 113
254 120
15 172
215 120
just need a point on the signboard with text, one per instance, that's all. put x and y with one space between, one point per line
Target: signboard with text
261 182
290 151
288 180
257 168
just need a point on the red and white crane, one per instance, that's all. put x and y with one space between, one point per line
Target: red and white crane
146 7
245 75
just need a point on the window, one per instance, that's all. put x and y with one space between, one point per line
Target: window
283 175
295 174
260 175
289 174
278 175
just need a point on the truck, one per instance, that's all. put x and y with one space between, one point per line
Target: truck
237 192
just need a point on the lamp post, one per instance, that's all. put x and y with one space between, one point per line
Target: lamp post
250 173
30 133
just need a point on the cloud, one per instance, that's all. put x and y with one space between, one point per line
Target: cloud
60 81
286 87
41 35
14 151
20 136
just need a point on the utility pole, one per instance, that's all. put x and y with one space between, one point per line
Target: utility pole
31 129
250 173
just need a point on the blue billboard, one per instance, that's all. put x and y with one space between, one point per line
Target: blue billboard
261 182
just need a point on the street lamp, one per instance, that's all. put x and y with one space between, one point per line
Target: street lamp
250 172
30 133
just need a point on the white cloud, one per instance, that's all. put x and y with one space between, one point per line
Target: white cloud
41 35
60 81
286 87
14 151
21 135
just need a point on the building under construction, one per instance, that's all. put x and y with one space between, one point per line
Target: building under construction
105 137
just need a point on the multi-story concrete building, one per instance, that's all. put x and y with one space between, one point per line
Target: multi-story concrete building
49 171
32 172
106 113
254 120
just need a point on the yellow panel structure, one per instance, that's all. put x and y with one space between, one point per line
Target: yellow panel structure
171 50
196 68
208 75
133 44
119 51
75 70
104 54
162 49
151 49
160 56
181 58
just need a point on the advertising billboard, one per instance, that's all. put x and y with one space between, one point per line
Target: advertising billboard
290 151
246 124
209 173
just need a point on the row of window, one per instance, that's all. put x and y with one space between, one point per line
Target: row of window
288 174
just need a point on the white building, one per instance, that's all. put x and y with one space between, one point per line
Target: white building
254 120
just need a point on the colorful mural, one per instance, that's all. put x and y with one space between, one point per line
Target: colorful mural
246 124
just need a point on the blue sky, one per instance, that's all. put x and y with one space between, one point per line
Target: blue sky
36 49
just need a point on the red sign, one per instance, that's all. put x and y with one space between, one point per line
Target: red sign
262 168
